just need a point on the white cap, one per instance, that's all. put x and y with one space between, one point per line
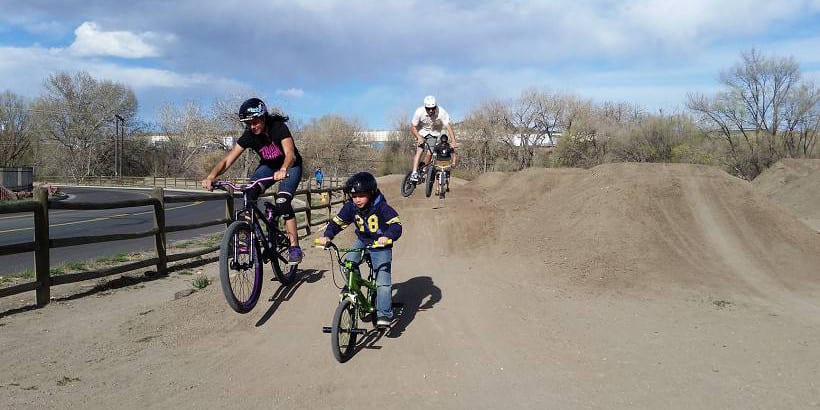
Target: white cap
429 102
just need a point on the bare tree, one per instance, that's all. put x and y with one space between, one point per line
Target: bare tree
481 134
764 113
588 135
191 132
78 117
334 143
15 127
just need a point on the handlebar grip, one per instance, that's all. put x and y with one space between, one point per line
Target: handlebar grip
377 245
327 245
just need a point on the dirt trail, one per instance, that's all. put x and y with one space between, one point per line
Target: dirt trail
623 286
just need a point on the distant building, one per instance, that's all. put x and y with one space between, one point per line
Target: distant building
376 138
546 142
223 143
158 139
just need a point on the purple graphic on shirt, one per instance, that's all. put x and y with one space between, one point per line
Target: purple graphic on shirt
270 152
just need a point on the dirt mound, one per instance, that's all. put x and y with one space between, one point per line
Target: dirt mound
621 226
617 287
795 184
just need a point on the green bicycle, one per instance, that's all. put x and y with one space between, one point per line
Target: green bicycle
357 300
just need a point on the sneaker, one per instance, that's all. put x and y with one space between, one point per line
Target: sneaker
414 177
294 255
242 244
382 322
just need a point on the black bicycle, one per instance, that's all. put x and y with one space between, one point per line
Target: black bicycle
253 239
408 185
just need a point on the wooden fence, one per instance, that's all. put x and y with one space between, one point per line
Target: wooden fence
144 182
42 243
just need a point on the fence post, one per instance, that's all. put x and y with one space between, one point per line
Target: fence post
309 208
159 225
41 254
329 201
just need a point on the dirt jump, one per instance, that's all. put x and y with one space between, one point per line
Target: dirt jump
621 286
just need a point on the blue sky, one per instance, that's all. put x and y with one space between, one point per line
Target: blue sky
375 61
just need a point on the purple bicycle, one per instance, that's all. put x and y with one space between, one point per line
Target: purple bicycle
253 239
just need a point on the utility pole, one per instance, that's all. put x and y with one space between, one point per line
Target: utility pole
116 141
119 139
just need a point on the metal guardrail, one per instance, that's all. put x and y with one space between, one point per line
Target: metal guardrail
40 206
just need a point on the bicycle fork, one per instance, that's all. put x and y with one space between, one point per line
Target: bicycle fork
356 318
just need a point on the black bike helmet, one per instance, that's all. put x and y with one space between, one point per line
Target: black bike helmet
361 183
252 108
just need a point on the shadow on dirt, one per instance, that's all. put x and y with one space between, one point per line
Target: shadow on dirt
284 293
411 296
414 295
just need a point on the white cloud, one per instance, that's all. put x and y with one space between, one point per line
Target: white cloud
27 68
91 41
291 92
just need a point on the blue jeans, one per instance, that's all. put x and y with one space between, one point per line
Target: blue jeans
289 184
382 262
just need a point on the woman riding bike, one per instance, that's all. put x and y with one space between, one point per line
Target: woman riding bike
278 158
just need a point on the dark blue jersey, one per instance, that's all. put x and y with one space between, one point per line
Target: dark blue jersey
376 220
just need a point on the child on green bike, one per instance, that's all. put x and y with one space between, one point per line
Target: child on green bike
377 225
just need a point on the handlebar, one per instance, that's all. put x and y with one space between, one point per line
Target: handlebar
330 245
231 186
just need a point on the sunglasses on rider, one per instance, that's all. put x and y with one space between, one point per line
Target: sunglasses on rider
430 109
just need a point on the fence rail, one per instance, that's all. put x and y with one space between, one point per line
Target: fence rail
147 182
40 206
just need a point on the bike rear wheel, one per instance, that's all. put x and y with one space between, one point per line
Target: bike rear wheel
285 273
240 267
407 186
342 335
431 173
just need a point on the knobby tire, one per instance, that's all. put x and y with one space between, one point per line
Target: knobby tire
241 287
431 173
407 186
342 340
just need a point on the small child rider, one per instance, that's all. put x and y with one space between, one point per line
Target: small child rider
377 224
443 150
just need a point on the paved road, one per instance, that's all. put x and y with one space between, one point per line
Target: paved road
17 228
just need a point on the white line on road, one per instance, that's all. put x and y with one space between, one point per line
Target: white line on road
101 218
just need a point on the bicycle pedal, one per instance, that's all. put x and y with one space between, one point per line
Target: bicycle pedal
326 329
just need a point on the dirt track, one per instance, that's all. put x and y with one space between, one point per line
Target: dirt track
623 286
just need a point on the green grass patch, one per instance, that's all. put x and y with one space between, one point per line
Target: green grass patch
69 267
184 244
200 282
118 258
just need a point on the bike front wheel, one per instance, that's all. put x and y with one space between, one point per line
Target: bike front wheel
431 173
342 332
240 267
407 186
442 183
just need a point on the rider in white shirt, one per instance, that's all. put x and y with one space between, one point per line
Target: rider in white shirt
428 122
